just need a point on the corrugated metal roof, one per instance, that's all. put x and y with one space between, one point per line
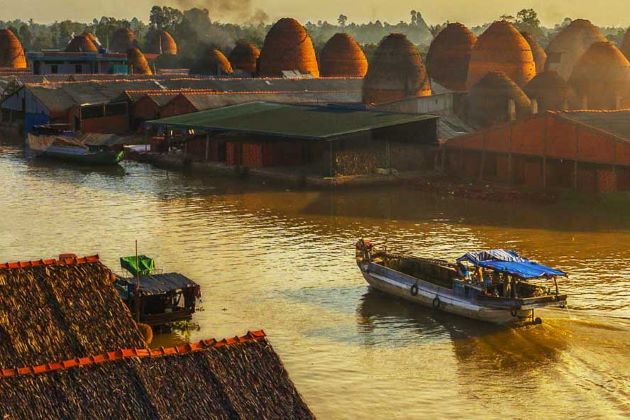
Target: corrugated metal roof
451 126
613 122
209 101
156 284
296 121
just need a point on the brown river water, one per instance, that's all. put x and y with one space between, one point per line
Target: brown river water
283 260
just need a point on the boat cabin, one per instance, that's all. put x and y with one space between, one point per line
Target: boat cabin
157 299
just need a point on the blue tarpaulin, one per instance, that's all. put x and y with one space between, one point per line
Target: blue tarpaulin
509 262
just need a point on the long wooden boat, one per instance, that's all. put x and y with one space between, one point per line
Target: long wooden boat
496 286
84 149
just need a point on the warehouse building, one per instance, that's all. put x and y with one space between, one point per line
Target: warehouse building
583 150
312 140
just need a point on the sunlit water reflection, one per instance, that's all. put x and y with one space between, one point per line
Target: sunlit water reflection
282 260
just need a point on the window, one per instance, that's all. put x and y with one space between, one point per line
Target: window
91 111
54 69
78 68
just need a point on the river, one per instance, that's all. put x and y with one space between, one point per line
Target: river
283 260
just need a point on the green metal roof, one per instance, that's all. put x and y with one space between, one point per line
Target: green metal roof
297 121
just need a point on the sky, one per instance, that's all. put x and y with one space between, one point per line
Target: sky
469 12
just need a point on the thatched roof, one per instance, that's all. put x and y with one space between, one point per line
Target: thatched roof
540 56
396 72
502 48
235 378
449 55
569 44
342 56
60 309
488 100
244 56
137 62
11 51
287 46
81 43
602 76
122 40
161 42
625 44
551 92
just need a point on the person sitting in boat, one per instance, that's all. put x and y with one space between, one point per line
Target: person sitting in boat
462 271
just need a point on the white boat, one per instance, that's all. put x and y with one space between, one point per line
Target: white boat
496 286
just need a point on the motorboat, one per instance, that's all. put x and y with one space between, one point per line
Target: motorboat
497 286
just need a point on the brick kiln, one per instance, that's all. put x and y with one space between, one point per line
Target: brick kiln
569 44
502 48
244 57
396 72
342 56
489 100
287 46
11 51
449 55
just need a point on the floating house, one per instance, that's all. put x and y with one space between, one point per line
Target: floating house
449 55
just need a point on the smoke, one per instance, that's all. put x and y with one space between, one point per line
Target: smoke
238 11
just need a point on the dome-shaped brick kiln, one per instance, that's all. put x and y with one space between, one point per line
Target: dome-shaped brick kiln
122 40
501 48
449 55
161 42
396 72
601 77
11 51
540 56
569 44
287 46
551 92
137 62
244 57
625 44
488 101
342 56
81 43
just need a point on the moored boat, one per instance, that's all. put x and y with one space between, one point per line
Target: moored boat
86 149
156 299
496 286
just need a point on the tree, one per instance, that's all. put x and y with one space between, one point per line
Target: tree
414 17
25 35
528 17
508 18
342 20
165 17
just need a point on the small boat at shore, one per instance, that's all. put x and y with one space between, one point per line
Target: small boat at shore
496 286
156 299
86 149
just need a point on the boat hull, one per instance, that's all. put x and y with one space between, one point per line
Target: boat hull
439 298
87 158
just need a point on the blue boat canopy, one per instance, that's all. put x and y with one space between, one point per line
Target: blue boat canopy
510 262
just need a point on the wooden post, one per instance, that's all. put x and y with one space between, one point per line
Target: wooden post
482 164
207 145
544 156
331 170
575 161
510 175
388 153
